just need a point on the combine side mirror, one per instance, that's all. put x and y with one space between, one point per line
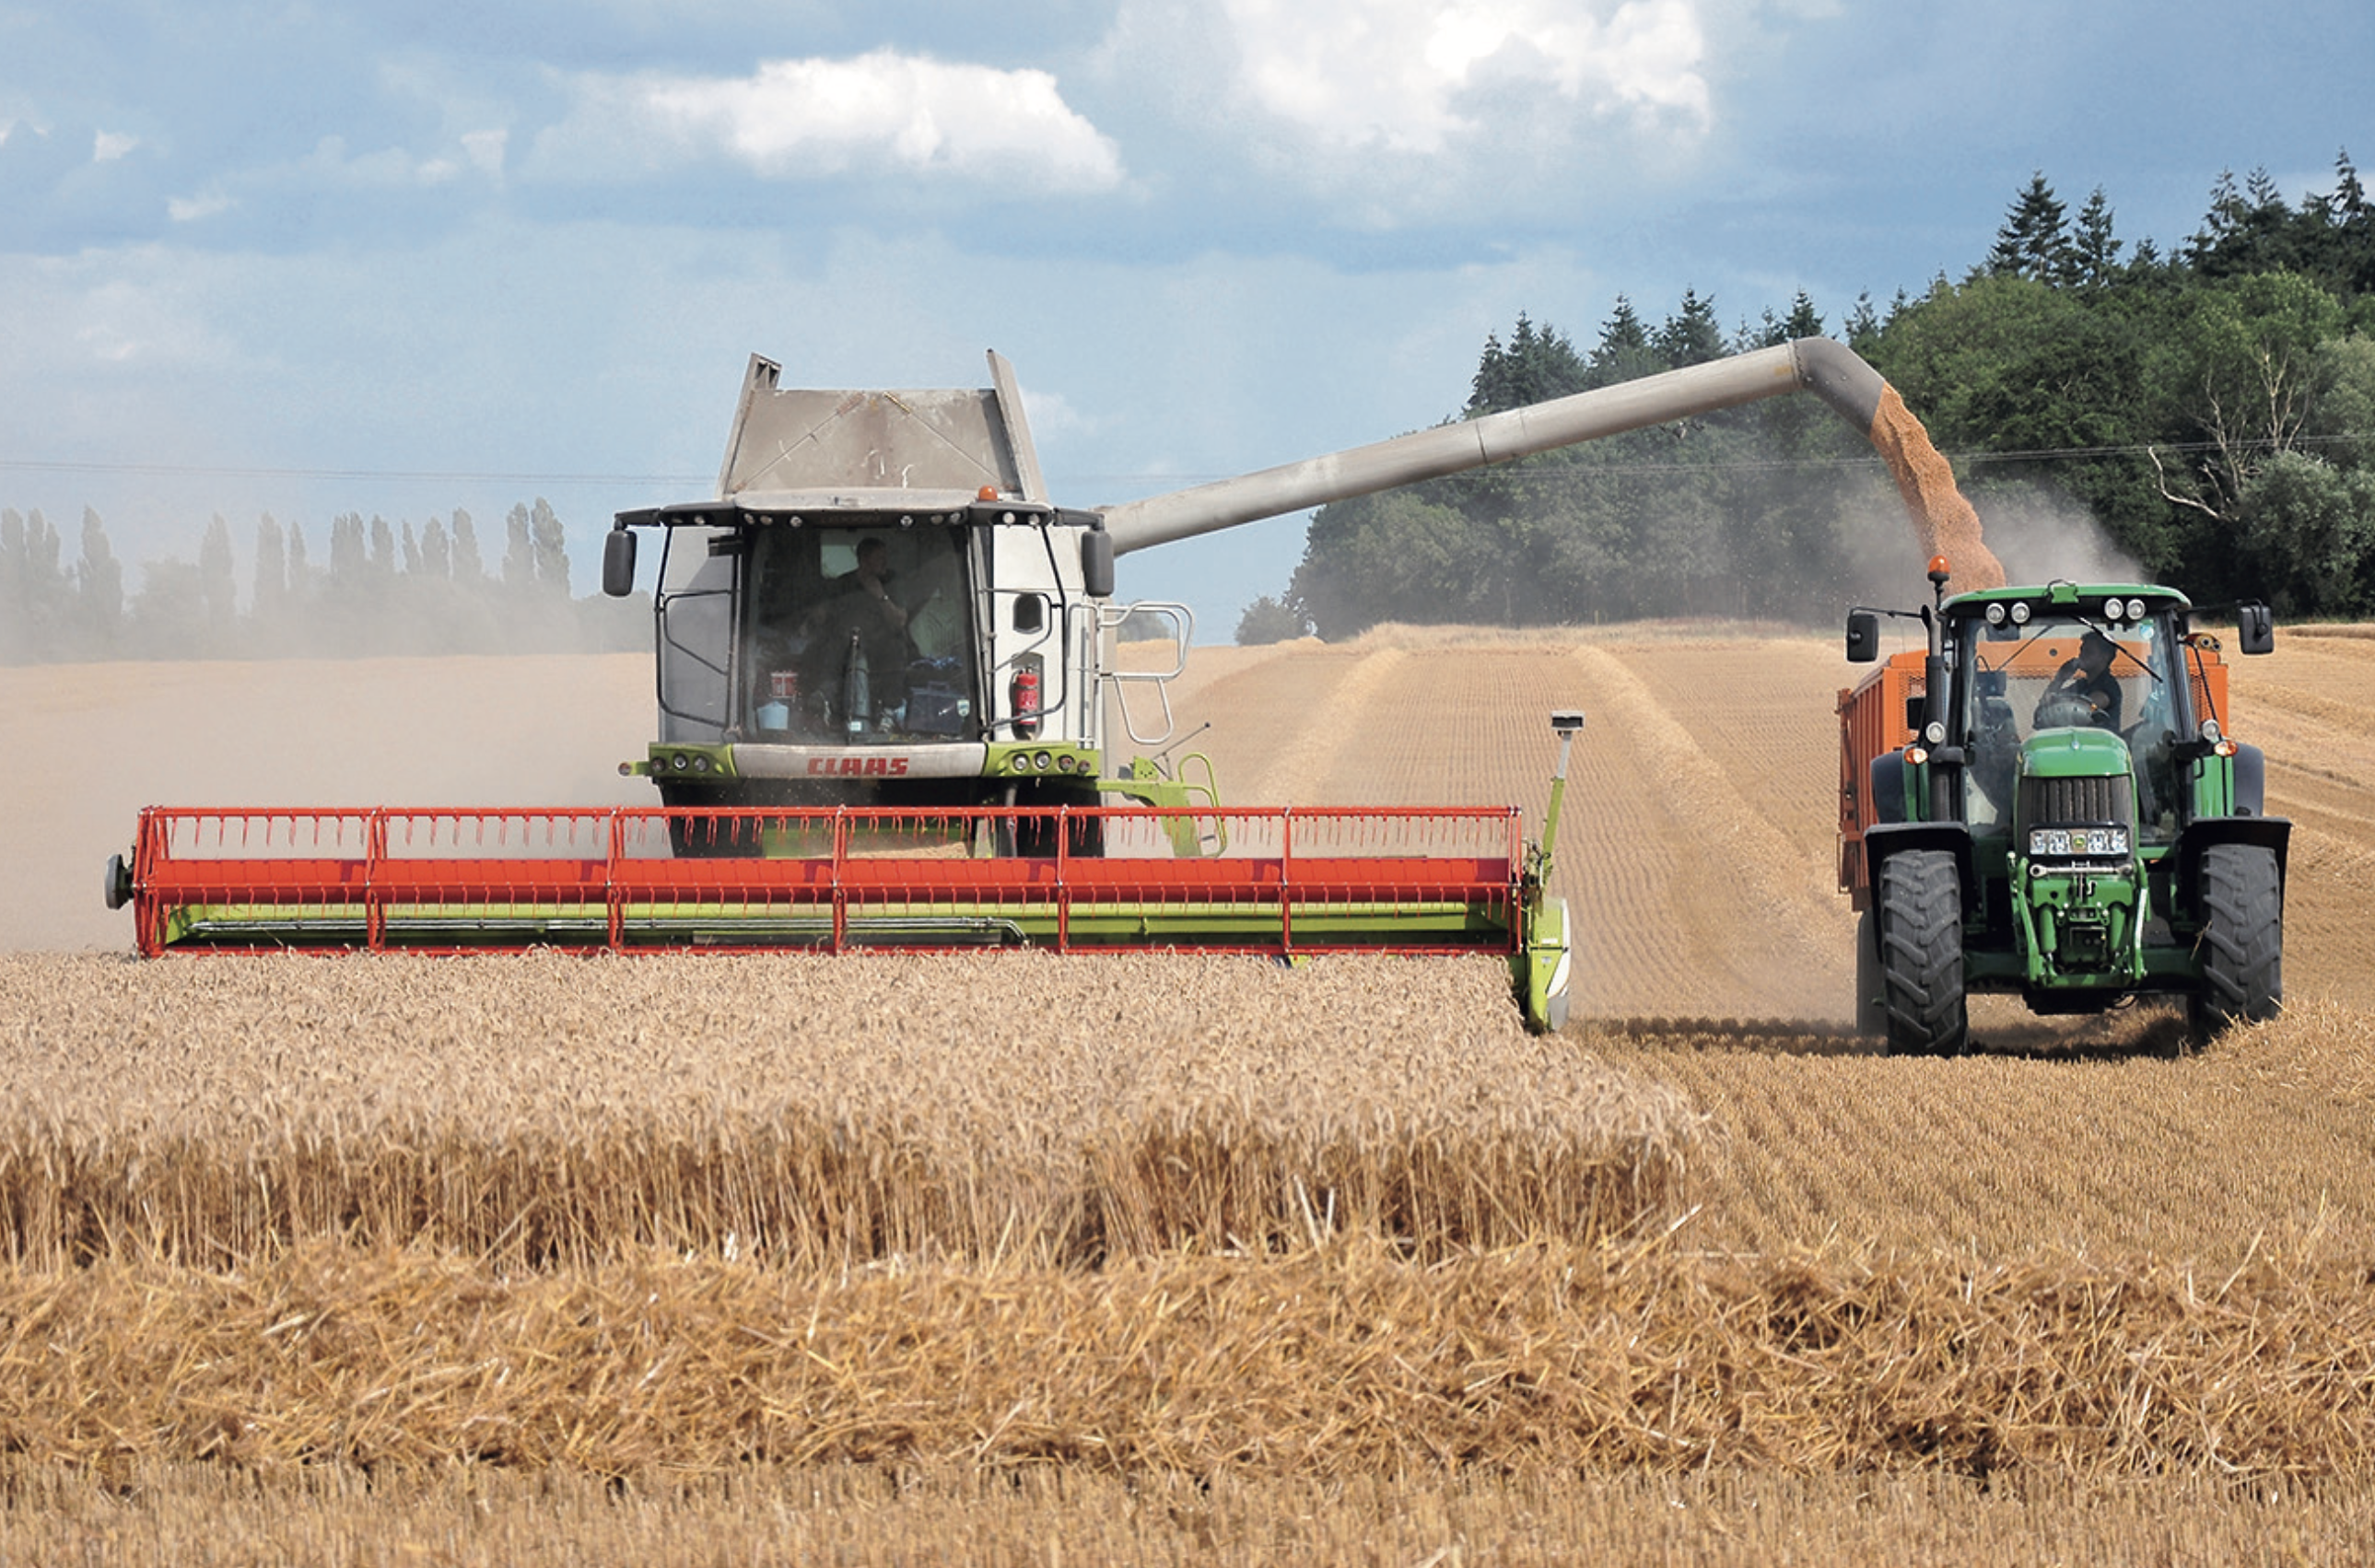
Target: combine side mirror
619 563
1097 564
2255 628
1863 637
1030 612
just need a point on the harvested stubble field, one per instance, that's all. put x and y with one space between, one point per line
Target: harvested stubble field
702 1259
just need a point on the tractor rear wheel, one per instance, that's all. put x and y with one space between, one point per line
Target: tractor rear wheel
2242 942
1870 1003
1920 953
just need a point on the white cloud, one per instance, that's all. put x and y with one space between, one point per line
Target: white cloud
485 150
882 110
388 167
190 209
109 146
1400 74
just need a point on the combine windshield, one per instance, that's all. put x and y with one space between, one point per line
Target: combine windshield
2073 672
857 636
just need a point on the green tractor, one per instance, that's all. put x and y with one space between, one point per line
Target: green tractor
2046 800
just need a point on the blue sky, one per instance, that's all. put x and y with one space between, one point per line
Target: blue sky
310 258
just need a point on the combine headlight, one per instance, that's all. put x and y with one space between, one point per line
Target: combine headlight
2062 844
678 763
1042 761
2020 613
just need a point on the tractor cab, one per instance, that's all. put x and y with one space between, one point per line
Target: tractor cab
2064 692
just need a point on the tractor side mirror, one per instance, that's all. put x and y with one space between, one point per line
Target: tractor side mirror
1097 564
1030 612
2255 628
619 563
1863 637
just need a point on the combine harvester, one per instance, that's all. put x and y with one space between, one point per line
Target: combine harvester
887 664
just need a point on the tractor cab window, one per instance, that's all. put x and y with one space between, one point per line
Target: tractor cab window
2073 672
857 636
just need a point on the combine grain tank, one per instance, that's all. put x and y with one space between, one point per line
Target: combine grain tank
2046 799
886 666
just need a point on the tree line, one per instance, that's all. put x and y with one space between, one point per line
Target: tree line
2199 416
379 589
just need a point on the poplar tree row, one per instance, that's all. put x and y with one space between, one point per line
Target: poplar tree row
374 588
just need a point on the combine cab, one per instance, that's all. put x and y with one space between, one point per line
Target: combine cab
2045 800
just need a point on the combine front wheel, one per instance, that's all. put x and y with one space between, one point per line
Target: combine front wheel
2242 942
1921 954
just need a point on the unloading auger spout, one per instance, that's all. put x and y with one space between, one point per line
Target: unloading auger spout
1831 371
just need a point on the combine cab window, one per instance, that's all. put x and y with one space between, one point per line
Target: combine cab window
858 636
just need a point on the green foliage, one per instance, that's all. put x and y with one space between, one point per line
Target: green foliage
2306 529
1268 621
2204 416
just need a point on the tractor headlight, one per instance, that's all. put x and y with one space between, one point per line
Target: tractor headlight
1996 613
2020 613
2072 843
2135 609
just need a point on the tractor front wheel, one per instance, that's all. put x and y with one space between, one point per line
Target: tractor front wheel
1920 953
2242 942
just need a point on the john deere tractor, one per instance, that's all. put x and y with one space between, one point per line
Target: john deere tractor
2045 799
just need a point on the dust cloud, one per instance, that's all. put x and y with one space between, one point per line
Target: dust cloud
413 732
2042 536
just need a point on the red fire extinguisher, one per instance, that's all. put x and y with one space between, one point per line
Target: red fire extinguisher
1023 699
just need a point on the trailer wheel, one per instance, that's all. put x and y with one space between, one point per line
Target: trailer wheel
2242 941
1921 954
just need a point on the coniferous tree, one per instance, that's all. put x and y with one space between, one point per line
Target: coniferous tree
2095 250
98 581
436 550
2035 240
269 600
1691 336
470 566
301 574
549 543
349 555
1538 364
1624 352
519 551
217 581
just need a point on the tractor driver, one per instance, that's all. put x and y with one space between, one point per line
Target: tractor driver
2084 692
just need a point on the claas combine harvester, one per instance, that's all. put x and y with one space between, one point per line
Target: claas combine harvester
888 673
2045 799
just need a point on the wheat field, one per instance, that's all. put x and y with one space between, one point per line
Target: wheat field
703 1258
